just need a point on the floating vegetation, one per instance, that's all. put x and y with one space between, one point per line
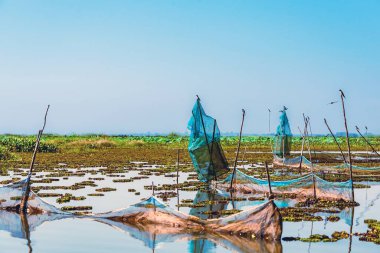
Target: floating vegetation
76 208
105 189
333 218
318 238
166 195
49 195
373 232
68 197
321 203
122 180
336 236
294 214
95 194
340 235
222 212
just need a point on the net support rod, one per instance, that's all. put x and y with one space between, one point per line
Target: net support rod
25 197
177 178
348 144
269 183
303 144
336 142
212 149
307 120
369 144
238 149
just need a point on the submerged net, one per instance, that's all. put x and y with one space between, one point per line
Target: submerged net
347 166
294 162
204 145
153 215
283 138
20 226
11 196
303 186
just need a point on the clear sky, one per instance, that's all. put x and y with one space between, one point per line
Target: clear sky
120 67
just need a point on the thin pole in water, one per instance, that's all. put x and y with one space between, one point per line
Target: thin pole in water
366 148
269 183
25 197
238 149
154 200
337 143
348 144
177 179
212 149
312 168
269 111
368 143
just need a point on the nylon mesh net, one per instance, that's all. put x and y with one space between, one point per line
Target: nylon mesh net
152 214
303 186
283 138
11 195
294 162
204 145
354 167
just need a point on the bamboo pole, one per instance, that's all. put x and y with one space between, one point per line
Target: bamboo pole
238 149
212 149
25 197
303 143
269 111
348 144
269 183
337 143
368 143
26 230
177 179
312 167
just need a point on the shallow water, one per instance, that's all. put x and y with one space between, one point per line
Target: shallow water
87 235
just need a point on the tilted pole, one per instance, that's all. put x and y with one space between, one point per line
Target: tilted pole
269 183
369 144
26 193
269 111
348 144
238 149
336 142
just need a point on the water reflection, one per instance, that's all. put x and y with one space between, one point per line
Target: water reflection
152 237
20 225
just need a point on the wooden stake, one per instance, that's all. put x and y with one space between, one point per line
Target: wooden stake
269 120
269 183
348 144
238 149
369 144
25 197
177 179
337 143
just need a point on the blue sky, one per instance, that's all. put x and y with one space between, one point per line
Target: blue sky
135 66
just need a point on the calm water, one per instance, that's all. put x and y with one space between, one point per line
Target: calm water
87 235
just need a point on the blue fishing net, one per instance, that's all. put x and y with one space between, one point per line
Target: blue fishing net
354 167
302 186
204 145
283 138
